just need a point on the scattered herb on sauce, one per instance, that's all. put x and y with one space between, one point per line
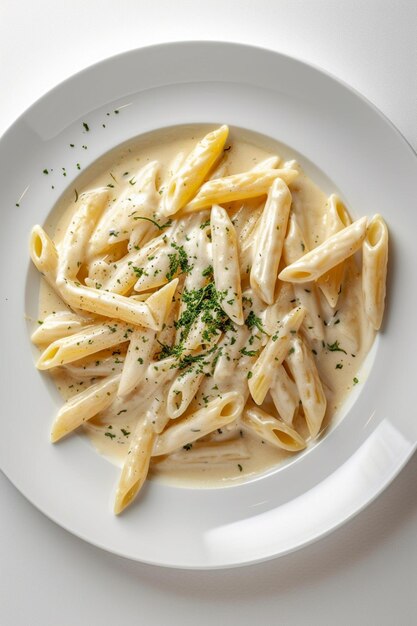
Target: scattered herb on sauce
335 347
148 219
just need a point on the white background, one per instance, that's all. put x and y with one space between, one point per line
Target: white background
365 573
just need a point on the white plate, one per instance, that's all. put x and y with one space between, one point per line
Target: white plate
366 159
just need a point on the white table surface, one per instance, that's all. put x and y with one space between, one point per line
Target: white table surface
364 573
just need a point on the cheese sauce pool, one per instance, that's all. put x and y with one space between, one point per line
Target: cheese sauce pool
230 454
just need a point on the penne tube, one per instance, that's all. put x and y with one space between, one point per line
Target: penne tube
88 341
230 351
245 222
270 163
182 391
138 356
72 251
99 367
294 246
118 223
58 325
136 465
284 303
83 406
304 371
273 355
43 254
305 293
187 383
123 274
307 296
108 304
273 430
160 417
284 395
185 183
374 270
215 414
160 302
226 264
270 234
337 218
327 255
249 184
154 272
218 453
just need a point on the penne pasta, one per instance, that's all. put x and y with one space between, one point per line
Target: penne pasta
217 453
43 254
374 272
310 389
84 406
275 431
270 236
140 199
273 355
337 218
327 255
305 293
138 356
135 468
98 367
58 325
284 395
215 414
72 250
88 341
185 183
226 264
249 184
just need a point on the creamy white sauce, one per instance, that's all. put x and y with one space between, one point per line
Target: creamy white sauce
241 453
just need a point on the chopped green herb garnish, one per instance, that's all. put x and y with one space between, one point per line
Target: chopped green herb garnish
178 260
208 271
335 347
160 226
248 352
139 271
252 320
86 126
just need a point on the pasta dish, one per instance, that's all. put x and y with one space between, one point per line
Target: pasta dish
205 307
